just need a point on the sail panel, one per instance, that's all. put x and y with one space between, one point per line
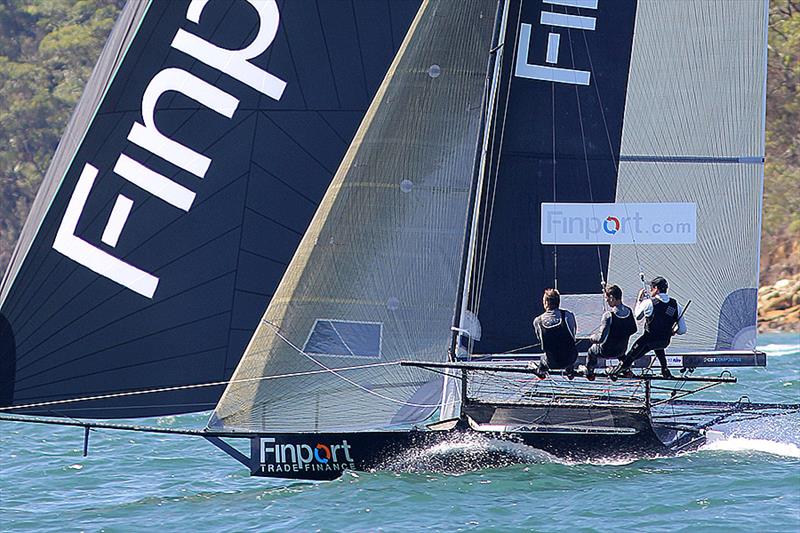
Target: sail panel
696 85
719 272
221 166
377 270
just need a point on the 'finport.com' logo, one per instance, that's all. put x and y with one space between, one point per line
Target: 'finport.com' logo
619 223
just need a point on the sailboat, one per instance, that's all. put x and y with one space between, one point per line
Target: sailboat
333 226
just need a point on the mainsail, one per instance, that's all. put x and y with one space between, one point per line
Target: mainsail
189 172
628 139
375 279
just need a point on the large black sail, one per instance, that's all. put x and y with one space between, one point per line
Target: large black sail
190 171
556 138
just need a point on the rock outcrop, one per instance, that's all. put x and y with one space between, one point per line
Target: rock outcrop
779 305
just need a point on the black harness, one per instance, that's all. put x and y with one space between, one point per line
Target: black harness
660 324
619 332
558 344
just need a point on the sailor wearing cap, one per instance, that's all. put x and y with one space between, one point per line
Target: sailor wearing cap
663 319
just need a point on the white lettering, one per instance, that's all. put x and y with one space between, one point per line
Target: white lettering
304 453
346 448
119 215
152 140
236 63
93 258
154 183
266 449
540 72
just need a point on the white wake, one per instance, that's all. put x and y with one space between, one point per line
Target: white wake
718 441
778 350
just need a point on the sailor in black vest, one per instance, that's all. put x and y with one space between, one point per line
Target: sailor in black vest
555 329
616 327
663 319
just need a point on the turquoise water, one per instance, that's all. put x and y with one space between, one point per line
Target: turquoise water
747 481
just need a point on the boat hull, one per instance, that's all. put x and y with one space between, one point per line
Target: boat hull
326 456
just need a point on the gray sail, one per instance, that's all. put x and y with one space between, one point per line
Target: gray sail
375 278
694 138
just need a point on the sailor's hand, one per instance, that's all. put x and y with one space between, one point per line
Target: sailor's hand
641 294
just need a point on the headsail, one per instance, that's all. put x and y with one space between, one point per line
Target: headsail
375 279
198 155
630 140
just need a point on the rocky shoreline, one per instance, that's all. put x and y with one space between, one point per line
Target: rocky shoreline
779 306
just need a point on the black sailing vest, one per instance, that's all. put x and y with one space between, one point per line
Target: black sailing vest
665 315
558 344
619 332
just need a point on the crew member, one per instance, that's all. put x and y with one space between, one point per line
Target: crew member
616 327
555 329
663 319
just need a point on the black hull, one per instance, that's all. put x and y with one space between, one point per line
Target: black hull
325 456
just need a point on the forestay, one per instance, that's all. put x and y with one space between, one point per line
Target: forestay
375 278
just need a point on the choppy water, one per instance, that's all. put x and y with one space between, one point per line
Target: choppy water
748 480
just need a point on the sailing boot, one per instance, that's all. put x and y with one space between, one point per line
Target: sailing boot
620 371
589 373
665 373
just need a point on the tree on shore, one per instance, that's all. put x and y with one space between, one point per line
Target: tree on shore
780 248
47 52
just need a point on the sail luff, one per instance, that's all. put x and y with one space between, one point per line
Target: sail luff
451 393
111 57
475 212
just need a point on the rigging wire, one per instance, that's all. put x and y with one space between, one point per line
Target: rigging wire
555 193
480 273
187 387
614 159
586 160
335 372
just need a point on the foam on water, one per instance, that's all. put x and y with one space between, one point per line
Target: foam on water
778 350
743 444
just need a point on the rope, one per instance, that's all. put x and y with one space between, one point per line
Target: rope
343 378
183 387
586 162
555 192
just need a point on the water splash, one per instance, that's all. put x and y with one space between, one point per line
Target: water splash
465 453
778 350
743 444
